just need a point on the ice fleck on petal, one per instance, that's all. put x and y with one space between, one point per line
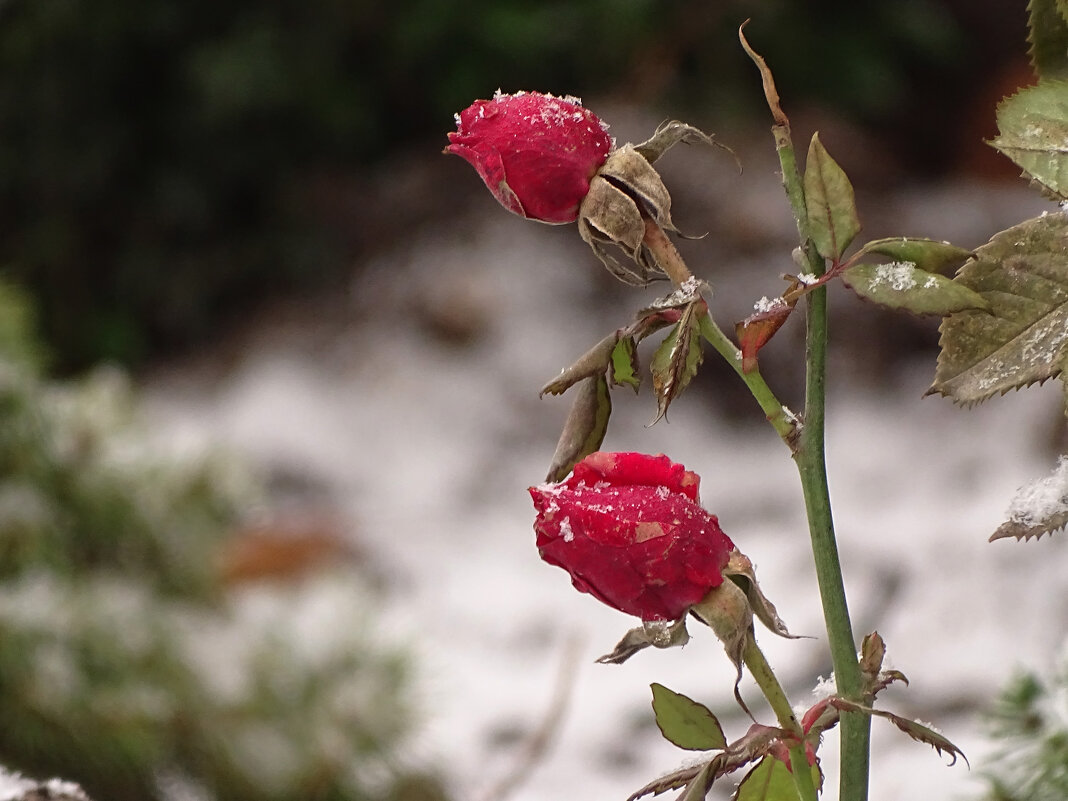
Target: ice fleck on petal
566 532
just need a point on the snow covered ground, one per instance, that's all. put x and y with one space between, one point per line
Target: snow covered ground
426 447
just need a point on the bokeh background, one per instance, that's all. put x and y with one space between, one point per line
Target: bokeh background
269 389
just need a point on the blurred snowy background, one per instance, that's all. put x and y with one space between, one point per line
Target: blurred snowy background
263 508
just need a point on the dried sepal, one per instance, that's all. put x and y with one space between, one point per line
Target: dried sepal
654 633
609 220
671 133
740 570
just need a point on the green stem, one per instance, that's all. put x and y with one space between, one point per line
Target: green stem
812 468
671 262
765 678
782 419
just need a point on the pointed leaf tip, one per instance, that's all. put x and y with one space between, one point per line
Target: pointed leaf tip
832 211
685 722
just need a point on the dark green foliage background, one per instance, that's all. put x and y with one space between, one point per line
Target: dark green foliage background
163 163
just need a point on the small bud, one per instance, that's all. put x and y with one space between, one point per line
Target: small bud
536 153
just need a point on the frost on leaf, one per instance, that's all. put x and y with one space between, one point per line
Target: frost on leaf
902 285
1038 508
928 255
1022 337
1033 132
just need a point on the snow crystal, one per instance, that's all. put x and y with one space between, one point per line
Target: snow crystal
897 274
825 687
766 304
566 531
1041 499
807 278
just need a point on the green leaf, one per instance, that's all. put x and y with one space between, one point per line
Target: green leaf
901 285
676 361
685 722
1023 336
770 780
929 255
832 211
1048 35
585 427
1032 131
625 363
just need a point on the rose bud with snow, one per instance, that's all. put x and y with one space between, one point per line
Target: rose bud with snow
630 530
535 152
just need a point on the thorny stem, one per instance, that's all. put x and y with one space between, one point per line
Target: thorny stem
765 678
812 469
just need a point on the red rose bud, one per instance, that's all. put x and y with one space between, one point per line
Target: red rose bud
630 530
536 153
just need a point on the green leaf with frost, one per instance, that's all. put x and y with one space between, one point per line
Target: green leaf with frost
1048 37
1033 132
1022 337
585 427
676 361
1038 508
685 722
927 254
829 202
903 286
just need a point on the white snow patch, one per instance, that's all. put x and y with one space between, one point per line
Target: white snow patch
898 275
1041 499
